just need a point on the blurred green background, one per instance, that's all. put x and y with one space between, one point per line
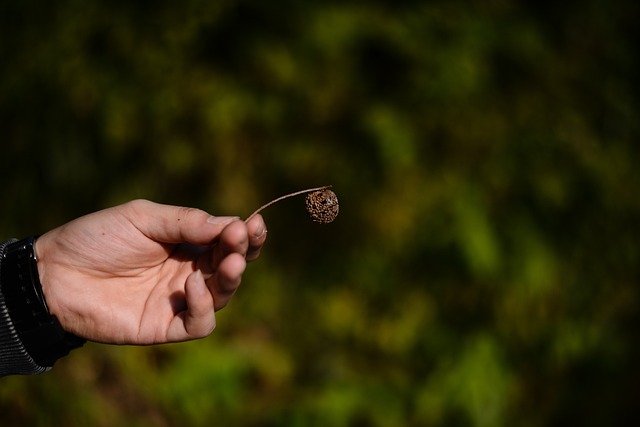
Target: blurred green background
483 270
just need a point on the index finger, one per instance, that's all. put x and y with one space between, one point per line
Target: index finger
257 231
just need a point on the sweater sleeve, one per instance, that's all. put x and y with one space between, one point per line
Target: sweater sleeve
14 359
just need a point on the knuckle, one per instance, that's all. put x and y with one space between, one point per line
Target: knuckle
187 212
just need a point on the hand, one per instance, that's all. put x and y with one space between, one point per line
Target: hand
145 273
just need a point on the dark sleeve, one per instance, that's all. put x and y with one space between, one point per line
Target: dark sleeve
14 358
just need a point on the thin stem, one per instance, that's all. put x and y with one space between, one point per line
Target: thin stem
285 197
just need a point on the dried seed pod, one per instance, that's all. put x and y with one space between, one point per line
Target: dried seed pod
322 206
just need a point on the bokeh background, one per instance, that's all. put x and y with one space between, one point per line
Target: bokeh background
483 270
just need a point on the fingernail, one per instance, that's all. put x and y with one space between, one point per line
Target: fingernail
199 278
260 231
222 220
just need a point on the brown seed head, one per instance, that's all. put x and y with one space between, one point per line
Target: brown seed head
322 206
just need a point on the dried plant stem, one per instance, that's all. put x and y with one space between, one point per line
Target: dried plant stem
285 197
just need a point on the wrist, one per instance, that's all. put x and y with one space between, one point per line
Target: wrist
40 248
40 332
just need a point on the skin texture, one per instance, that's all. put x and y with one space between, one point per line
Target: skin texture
144 273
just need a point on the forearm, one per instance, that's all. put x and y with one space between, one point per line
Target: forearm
14 358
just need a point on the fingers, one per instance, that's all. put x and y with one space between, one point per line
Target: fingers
198 320
228 263
257 231
238 243
234 238
227 279
175 224
231 244
238 237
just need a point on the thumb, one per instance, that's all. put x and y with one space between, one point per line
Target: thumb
175 224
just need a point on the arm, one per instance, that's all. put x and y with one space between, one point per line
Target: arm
145 273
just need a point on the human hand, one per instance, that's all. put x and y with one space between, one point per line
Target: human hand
145 273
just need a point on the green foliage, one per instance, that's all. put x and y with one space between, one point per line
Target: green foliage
483 270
